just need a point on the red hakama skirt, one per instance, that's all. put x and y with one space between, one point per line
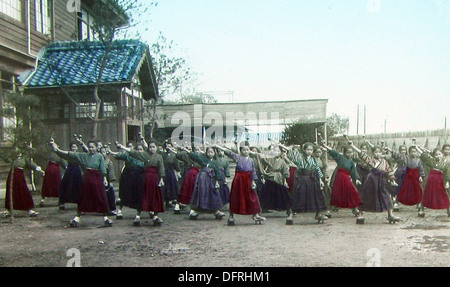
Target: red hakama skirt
21 195
290 180
152 197
435 195
92 194
344 193
188 185
411 192
243 199
52 181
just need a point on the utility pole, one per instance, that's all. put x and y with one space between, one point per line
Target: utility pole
357 122
365 119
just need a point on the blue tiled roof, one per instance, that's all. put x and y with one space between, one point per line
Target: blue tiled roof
78 63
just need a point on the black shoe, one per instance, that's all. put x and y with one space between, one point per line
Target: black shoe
108 223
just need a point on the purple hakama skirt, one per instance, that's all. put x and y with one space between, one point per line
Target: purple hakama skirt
206 196
307 194
374 195
275 197
171 187
69 189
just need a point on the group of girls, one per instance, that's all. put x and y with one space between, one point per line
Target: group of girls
292 179
405 179
363 181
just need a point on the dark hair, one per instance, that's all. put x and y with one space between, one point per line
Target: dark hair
346 149
211 148
402 146
436 150
306 145
153 141
377 147
411 148
92 142
73 143
445 146
244 144
257 149
317 147
365 145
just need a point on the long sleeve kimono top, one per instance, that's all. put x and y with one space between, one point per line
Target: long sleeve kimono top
380 165
275 169
245 164
302 162
433 163
150 160
409 162
207 163
92 161
224 163
346 163
129 161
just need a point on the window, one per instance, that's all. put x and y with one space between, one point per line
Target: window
85 110
109 110
44 16
12 8
85 23
66 111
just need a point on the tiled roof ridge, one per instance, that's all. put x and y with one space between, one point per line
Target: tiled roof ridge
75 45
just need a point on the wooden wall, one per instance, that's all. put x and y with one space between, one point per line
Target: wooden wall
14 34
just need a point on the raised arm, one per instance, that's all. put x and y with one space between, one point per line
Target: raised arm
79 140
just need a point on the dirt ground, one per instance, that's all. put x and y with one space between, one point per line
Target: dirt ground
45 241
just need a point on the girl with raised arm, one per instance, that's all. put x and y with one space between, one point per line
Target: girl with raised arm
131 180
275 195
52 179
411 191
92 194
152 200
307 194
243 197
374 194
206 197
344 192
21 195
224 166
171 189
191 170
69 189
435 195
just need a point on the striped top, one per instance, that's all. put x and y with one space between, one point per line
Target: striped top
378 164
433 163
305 163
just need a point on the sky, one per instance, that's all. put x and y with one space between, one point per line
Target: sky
392 56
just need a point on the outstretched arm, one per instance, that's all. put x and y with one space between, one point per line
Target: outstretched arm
80 142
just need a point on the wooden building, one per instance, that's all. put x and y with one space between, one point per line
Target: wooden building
64 80
26 26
